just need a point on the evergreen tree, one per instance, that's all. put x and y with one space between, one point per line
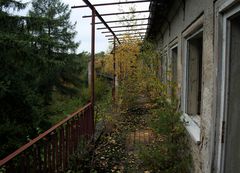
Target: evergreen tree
56 47
37 56
21 107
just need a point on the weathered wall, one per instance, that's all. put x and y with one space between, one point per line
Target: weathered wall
180 20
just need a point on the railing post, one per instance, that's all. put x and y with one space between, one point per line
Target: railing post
92 69
114 71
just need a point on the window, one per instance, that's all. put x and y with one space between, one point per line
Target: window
173 76
194 74
192 79
228 95
233 98
164 65
174 64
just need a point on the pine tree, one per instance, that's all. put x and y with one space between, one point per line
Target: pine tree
21 107
56 47
37 56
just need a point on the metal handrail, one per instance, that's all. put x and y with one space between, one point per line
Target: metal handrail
79 122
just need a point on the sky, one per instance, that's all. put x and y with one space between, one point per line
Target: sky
83 25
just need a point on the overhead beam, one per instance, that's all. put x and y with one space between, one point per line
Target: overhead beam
126 34
127 38
100 18
120 13
113 3
124 26
122 40
111 41
127 30
127 20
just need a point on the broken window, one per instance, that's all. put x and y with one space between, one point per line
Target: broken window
164 65
173 71
174 65
194 74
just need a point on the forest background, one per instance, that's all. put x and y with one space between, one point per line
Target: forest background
42 78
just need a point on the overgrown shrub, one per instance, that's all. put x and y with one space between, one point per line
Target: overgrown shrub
169 153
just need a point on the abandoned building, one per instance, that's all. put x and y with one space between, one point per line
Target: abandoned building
200 44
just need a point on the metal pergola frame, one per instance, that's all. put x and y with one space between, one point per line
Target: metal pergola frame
124 26
114 37
120 13
125 39
126 34
113 3
125 30
119 21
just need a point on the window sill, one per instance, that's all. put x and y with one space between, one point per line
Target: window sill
192 126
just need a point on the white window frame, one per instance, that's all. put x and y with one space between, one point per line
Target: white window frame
225 16
192 123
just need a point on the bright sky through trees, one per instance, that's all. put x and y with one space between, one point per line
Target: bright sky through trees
83 26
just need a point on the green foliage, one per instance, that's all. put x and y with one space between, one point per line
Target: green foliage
21 104
150 56
169 153
103 107
129 93
62 106
37 59
80 161
102 87
55 37
7 4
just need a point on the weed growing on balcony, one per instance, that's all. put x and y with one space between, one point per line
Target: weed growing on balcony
145 107
168 153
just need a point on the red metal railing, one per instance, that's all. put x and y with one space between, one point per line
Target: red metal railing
50 151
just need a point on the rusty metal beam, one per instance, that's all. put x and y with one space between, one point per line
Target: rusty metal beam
113 3
127 30
137 36
111 41
93 61
120 13
125 38
100 18
114 70
124 26
118 21
126 34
